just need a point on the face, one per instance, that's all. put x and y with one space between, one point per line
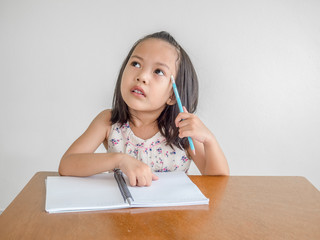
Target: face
146 84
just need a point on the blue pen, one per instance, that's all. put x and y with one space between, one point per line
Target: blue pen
181 109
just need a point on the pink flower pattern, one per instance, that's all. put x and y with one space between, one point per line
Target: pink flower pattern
154 151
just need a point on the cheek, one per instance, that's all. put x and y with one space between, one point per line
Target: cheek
125 77
126 74
167 89
123 85
123 88
163 92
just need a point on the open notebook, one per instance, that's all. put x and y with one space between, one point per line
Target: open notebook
102 192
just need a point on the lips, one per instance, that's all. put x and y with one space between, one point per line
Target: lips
138 91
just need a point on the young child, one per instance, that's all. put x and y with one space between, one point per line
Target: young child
144 132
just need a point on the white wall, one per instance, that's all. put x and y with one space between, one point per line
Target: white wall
258 63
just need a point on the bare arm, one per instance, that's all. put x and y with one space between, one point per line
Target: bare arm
80 159
209 157
87 164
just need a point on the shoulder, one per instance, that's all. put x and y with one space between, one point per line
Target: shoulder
104 117
102 121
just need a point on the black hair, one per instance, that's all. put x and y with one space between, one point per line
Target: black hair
187 85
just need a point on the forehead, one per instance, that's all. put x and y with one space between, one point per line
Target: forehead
157 50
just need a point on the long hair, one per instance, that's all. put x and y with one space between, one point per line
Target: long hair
187 85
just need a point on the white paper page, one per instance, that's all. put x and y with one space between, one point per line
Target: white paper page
172 189
98 192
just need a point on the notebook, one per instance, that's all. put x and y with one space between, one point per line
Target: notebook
103 192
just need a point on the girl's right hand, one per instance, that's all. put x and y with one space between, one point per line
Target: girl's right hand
138 173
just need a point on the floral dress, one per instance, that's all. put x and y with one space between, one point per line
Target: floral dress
153 151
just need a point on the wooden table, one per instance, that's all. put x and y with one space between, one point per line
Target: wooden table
240 208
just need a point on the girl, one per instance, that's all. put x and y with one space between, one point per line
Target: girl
144 132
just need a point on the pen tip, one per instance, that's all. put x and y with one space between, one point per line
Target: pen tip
172 79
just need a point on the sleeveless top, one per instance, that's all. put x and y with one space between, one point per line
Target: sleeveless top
153 151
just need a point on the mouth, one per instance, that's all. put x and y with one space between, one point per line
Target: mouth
138 91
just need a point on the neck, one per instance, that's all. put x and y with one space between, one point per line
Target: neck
143 119
144 124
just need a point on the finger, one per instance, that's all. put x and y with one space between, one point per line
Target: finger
154 177
148 180
132 180
184 123
185 109
141 181
180 117
185 133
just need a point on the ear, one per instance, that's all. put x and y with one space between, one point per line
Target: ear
172 100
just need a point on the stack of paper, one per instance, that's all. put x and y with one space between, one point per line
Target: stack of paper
101 192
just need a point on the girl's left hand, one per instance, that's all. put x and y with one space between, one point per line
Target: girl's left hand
191 126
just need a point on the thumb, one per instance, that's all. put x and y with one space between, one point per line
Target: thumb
154 177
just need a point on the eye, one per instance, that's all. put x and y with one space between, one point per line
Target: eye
135 64
159 72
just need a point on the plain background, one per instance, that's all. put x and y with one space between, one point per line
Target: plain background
258 64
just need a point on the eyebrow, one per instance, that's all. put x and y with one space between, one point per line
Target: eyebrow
157 63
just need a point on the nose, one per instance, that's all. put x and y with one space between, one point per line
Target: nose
142 77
